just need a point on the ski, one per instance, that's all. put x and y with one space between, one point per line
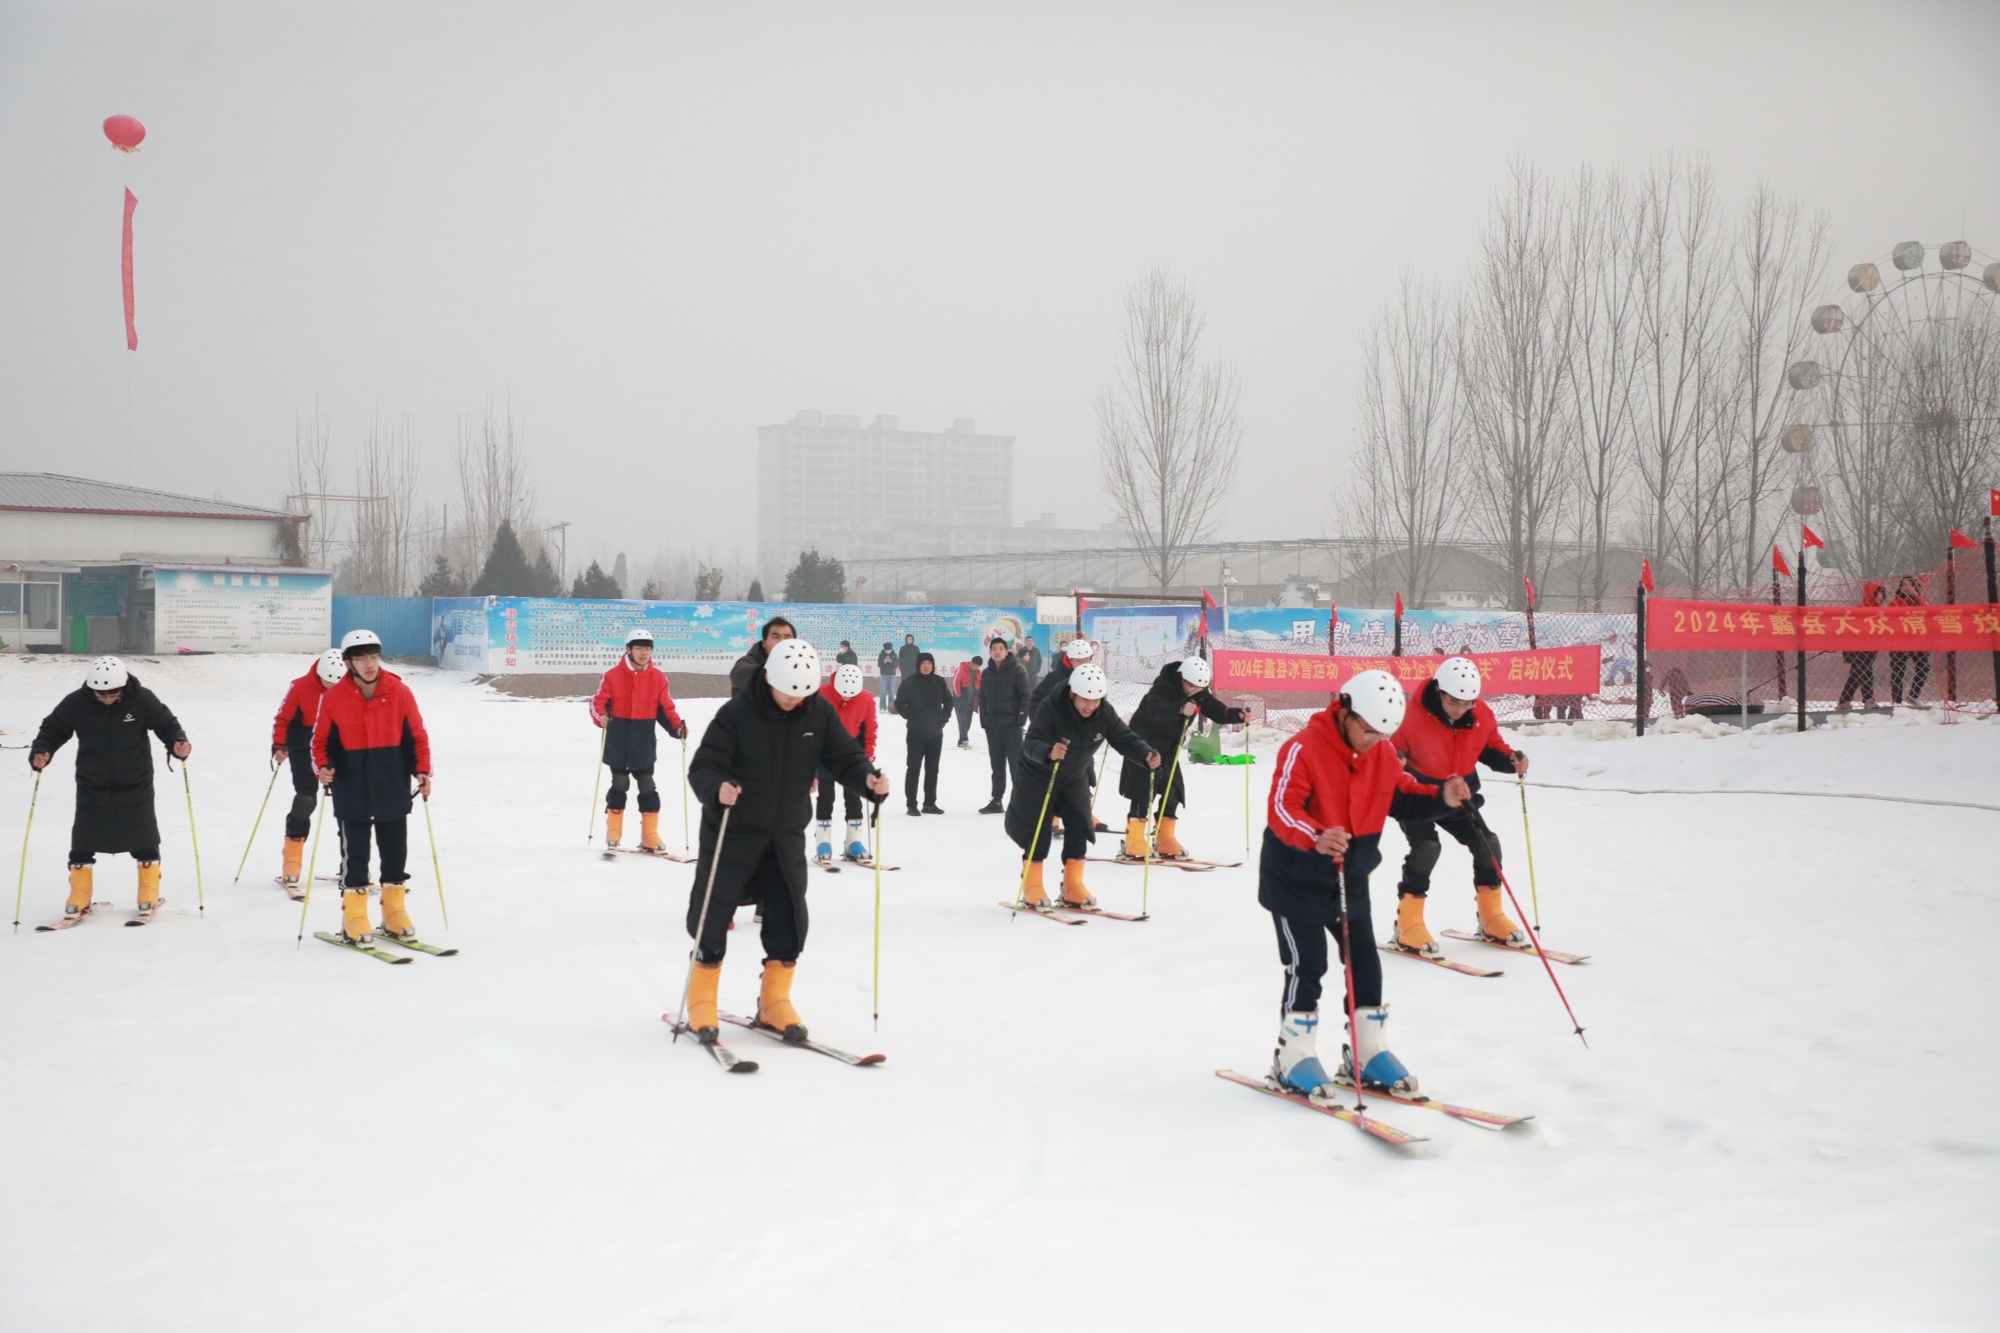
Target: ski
419 946
1467 968
661 854
731 1062
1387 1133
69 921
1488 1119
1098 911
826 863
1554 955
777 1036
146 912
1046 913
1212 865
382 954
1192 867
867 864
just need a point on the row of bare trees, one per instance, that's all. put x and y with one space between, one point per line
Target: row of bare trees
1611 374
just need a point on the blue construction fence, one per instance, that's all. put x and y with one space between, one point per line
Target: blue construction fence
404 623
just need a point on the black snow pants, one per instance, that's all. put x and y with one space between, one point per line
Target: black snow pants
305 795
828 784
783 940
621 780
1003 752
1470 830
1315 891
923 755
392 838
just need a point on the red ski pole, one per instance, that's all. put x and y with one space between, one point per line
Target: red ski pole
1493 853
1347 969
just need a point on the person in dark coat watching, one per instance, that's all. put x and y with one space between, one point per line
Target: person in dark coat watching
1178 695
925 703
1054 781
906 658
1916 666
885 674
1003 712
1031 661
110 717
756 763
776 630
1861 666
846 656
965 692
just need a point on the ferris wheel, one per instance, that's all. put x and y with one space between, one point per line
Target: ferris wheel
1897 431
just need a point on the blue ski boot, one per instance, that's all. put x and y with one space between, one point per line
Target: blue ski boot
1380 1068
1295 1064
823 845
857 850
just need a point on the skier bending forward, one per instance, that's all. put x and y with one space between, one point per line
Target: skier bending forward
757 761
1329 799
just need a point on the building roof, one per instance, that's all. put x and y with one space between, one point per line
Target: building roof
52 493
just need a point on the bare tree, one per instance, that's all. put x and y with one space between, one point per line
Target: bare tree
493 488
1513 365
1168 427
311 477
1601 300
1410 432
385 555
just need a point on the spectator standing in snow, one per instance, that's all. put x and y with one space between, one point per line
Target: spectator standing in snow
965 691
885 674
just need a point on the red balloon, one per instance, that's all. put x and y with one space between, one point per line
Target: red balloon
125 133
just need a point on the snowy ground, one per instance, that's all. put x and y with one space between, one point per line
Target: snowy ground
1789 1116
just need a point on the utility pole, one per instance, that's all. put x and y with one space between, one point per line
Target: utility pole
562 554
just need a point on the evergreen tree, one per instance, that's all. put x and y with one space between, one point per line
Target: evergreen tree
756 593
618 575
595 583
816 578
707 582
507 572
441 581
547 582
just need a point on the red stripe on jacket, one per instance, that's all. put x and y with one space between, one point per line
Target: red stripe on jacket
635 695
856 714
370 724
1321 783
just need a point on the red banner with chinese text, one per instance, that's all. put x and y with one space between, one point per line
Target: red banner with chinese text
1536 671
1852 629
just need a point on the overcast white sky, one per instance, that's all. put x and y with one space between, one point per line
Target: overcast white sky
654 227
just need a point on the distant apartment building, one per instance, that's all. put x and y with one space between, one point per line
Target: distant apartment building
826 482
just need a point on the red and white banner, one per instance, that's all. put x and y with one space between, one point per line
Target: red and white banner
125 262
1535 671
1853 629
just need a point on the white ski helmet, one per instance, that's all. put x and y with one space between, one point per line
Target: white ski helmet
644 636
1459 678
1089 682
793 668
1376 698
847 680
1197 672
1077 650
106 673
359 640
331 667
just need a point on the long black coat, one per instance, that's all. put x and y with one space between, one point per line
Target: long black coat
749 665
1158 720
1057 720
1003 695
114 764
924 701
1057 679
773 756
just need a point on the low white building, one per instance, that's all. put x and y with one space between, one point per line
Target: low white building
81 562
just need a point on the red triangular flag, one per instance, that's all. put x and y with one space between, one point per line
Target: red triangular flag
1993 502
1778 563
1961 542
1208 601
1531 591
1399 604
1646 575
1809 539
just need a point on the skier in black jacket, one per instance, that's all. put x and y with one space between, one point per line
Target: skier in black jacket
1055 769
758 760
925 703
1178 695
1003 711
1074 654
110 717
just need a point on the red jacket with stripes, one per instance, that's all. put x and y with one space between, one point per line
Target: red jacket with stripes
294 725
1321 783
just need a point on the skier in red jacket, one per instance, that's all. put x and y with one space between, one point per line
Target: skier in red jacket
1330 796
1449 732
291 738
856 709
368 742
631 700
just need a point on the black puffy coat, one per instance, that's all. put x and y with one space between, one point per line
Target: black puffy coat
1159 722
751 664
924 701
1003 695
773 756
1057 720
114 764
906 660
1057 679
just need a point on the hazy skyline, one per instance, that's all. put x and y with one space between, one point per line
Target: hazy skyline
651 229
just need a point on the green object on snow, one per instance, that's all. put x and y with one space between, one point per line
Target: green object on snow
1236 759
1204 748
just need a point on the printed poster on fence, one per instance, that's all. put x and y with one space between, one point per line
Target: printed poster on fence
231 609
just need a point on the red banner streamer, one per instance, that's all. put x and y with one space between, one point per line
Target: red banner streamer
1849 629
1537 671
125 264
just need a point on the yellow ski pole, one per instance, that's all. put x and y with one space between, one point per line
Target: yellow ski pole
877 855
269 787
596 781
1021 894
22 883
701 922
1168 794
1534 894
1146 875
436 870
200 898
312 863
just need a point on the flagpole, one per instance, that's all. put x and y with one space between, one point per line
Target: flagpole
1802 642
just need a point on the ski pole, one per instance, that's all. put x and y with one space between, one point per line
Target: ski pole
686 845
1246 787
1021 895
269 787
1166 796
1527 841
200 898
312 863
437 871
877 855
1146 875
22 883
701 923
597 779
1347 967
1493 851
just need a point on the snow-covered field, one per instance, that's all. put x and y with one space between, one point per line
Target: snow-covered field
1788 1117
